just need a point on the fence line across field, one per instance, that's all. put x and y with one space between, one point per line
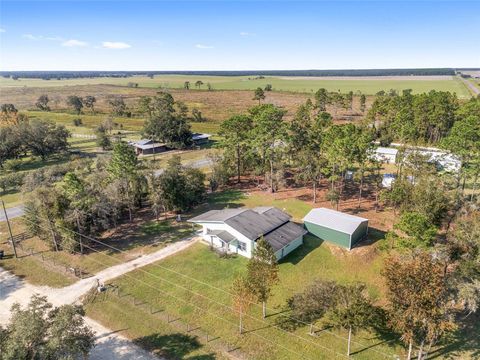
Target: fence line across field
310 325
206 297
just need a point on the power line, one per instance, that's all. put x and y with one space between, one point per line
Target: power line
203 296
197 307
222 290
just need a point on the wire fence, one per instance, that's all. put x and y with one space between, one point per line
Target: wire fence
53 262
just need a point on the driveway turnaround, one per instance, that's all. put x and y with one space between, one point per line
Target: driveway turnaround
111 345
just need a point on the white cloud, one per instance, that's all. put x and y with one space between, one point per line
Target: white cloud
41 37
202 46
54 38
31 37
74 43
115 45
2 30
244 33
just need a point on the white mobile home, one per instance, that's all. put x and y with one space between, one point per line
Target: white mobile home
386 155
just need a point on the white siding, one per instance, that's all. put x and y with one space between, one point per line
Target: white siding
289 248
218 243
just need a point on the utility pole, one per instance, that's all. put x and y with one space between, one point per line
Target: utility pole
9 230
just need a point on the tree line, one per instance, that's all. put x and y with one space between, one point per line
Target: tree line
415 119
261 142
66 205
346 72
20 135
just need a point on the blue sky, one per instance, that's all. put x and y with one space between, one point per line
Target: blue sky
228 35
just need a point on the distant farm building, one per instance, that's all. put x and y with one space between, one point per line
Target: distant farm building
200 139
386 155
336 227
147 147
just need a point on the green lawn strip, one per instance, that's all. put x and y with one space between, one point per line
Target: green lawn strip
156 336
146 238
30 268
204 265
11 198
236 198
33 270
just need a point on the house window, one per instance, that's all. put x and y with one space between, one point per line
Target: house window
241 246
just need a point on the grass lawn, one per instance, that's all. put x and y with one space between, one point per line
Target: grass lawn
30 268
367 85
142 237
194 285
159 337
312 261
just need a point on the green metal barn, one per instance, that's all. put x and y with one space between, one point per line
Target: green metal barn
336 227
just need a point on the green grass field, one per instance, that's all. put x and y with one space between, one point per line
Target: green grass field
312 261
368 86
135 240
194 286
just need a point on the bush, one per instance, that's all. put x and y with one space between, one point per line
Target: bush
77 122
12 165
197 115
11 181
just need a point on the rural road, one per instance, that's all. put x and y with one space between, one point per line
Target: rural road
17 211
110 344
472 87
194 164
12 212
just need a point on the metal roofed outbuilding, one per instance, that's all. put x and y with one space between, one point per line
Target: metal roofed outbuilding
336 227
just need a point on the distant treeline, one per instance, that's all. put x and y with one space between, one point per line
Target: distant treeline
47 75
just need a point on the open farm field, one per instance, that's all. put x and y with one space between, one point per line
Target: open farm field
366 85
215 106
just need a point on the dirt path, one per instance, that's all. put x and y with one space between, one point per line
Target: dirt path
471 86
12 212
110 344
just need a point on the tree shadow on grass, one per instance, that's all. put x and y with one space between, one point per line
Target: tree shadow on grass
465 340
220 200
173 346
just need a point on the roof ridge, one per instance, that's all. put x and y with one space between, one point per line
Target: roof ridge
236 214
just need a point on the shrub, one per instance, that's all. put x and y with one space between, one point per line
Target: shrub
12 165
77 122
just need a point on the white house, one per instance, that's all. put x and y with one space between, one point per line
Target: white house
237 230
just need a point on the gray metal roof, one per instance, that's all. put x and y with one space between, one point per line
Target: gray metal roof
217 215
251 223
335 220
284 235
150 146
222 234
144 142
199 136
